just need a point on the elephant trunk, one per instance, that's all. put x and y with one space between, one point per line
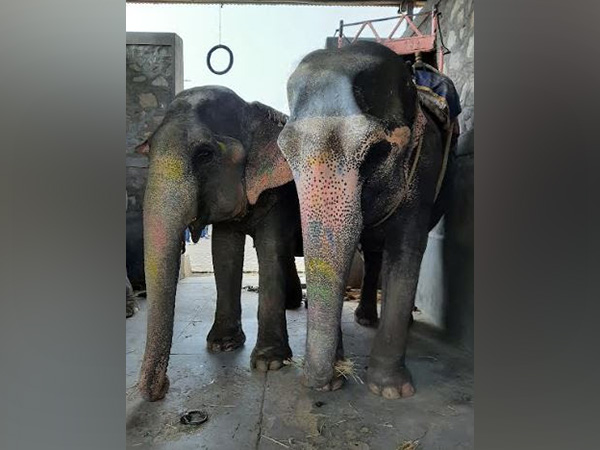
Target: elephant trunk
331 226
169 206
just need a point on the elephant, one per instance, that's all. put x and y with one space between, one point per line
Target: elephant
367 160
214 159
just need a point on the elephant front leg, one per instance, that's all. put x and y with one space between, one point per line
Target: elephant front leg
226 333
275 257
366 312
388 375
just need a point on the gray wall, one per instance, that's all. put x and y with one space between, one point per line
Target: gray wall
154 70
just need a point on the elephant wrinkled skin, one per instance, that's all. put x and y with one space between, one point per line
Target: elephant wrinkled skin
214 159
351 140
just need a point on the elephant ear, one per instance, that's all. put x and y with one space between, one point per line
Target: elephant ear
266 167
143 148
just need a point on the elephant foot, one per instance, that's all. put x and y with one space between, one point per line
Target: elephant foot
330 380
153 388
333 385
131 307
390 384
365 317
221 339
269 357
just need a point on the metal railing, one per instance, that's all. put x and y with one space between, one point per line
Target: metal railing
416 42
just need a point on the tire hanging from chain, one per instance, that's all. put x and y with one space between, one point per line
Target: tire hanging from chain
218 47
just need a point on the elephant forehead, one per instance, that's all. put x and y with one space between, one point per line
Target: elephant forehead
338 140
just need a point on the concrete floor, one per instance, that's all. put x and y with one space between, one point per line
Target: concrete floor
250 410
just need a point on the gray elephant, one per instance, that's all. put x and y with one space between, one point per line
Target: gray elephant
367 161
214 159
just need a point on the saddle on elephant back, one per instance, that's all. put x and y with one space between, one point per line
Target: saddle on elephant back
438 96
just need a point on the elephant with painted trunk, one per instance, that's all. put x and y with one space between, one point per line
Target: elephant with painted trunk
214 159
367 159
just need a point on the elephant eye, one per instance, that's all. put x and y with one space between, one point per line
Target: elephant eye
203 153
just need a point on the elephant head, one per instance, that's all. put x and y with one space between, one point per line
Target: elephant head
348 141
210 159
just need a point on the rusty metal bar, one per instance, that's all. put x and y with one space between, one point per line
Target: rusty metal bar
422 13
396 27
374 32
359 31
413 27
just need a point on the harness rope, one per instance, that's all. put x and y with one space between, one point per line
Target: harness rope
413 169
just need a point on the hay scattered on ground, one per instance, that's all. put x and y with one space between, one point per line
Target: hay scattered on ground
409 445
353 294
344 368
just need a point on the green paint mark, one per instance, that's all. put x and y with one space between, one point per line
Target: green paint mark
222 146
321 291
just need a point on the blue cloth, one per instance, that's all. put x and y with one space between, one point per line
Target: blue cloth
442 86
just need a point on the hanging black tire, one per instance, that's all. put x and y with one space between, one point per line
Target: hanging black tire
209 55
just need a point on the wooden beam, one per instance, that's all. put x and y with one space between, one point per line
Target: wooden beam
395 3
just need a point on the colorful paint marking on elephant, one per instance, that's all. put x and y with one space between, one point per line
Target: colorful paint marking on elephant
366 159
214 159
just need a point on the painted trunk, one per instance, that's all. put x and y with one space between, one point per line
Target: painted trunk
169 206
331 223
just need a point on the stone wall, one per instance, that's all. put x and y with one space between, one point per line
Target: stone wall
457 24
154 71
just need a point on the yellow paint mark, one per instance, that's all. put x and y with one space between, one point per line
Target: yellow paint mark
151 268
222 146
169 167
321 267
318 159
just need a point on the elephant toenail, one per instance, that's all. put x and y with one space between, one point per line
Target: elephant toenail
390 393
275 365
407 390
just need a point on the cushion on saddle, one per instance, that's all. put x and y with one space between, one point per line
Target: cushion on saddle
443 87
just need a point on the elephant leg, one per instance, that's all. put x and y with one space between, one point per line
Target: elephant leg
228 259
275 253
387 373
131 306
366 312
293 296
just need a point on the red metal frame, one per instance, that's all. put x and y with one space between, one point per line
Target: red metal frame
416 42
